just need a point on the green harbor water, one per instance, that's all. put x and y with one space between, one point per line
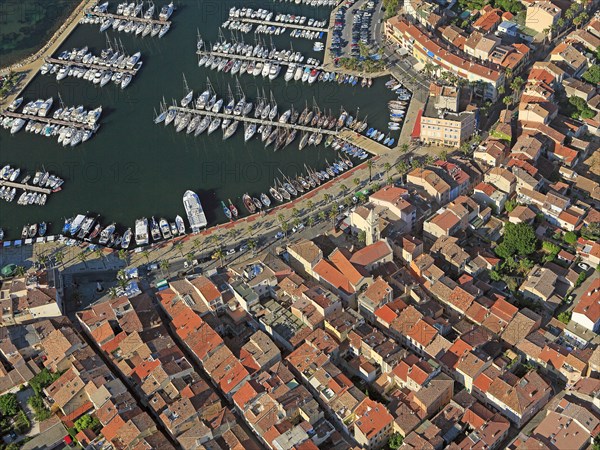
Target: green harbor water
133 168
25 25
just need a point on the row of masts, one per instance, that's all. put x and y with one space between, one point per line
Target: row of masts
275 127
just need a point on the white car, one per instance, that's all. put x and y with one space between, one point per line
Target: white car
231 251
279 235
583 266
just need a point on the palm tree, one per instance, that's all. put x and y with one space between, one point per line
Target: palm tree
218 254
310 205
165 265
179 247
516 85
122 254
507 101
402 167
444 155
285 226
146 254
59 257
295 212
322 215
356 181
196 244
281 217
328 197
99 253
343 188
404 147
113 293
251 245
20 271
370 166
310 221
82 256
189 258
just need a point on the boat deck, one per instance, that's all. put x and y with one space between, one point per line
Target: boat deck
49 120
127 18
26 187
63 62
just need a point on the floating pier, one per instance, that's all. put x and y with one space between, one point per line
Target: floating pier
279 24
254 59
70 63
26 187
50 120
104 15
241 118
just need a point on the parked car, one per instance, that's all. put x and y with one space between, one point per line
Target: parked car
279 235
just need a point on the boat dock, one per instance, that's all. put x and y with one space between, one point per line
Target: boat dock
203 112
279 24
25 187
252 58
362 141
126 18
69 63
49 120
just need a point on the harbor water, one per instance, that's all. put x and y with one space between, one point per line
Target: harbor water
133 168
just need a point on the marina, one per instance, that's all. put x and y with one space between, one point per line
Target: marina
293 22
131 18
131 163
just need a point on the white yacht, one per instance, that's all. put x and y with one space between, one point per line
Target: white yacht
193 209
141 231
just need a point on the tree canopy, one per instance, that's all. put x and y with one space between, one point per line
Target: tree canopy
519 239
9 406
593 74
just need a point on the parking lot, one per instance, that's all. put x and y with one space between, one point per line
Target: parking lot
352 27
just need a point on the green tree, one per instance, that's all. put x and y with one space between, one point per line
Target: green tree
593 74
86 422
395 441
189 258
165 265
252 244
179 248
9 406
20 271
404 147
122 255
322 215
362 236
42 379
564 317
113 292
570 237
310 205
510 205
37 404
146 255
356 181
82 256
580 279
370 166
310 221
519 239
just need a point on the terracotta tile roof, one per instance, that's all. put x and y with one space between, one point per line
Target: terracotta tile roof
522 324
589 303
461 299
207 288
422 332
504 310
343 264
334 277
372 417
426 41
390 194
523 394
371 253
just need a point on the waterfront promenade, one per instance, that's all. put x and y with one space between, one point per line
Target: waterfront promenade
31 65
